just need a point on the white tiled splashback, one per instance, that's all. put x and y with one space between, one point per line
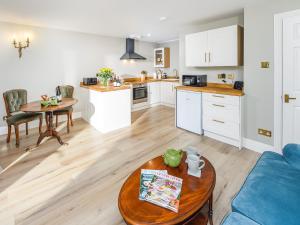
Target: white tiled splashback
212 73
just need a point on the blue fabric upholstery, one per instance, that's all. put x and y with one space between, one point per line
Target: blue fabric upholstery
291 153
271 192
238 219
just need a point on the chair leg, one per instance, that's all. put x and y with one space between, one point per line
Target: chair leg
47 120
68 123
17 135
26 128
56 122
8 133
40 124
71 118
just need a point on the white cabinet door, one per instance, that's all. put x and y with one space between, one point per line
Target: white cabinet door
223 46
188 111
196 49
154 92
168 93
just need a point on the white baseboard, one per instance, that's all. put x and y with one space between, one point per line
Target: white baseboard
257 146
34 124
226 140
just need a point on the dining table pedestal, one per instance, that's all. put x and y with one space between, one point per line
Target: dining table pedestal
50 132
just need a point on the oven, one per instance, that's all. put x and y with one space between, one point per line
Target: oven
140 93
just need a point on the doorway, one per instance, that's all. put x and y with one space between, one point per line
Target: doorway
287 79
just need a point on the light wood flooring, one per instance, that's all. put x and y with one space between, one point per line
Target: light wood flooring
79 183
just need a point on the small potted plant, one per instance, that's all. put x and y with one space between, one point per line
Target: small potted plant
104 75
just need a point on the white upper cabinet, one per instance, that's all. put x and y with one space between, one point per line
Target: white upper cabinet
196 49
218 47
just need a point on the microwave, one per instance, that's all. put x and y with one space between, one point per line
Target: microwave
194 80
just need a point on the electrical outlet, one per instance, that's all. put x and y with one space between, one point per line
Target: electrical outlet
222 76
264 132
265 65
230 76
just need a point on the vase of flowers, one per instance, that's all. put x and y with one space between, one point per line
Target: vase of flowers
104 75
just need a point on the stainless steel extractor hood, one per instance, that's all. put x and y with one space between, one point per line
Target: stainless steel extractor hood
130 54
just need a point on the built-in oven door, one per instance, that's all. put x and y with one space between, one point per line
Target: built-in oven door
140 94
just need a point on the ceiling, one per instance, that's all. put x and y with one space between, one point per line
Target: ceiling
119 18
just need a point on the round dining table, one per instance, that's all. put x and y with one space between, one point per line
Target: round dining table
48 110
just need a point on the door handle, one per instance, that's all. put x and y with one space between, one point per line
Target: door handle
287 98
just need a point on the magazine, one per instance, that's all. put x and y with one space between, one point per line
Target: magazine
164 190
146 178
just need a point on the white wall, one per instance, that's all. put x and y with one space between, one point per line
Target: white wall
211 72
259 83
60 57
174 56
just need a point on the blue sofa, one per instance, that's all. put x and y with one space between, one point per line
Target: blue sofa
271 192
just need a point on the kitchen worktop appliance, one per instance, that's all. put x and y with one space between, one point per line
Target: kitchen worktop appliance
194 80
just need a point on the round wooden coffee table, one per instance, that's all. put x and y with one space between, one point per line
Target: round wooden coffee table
195 202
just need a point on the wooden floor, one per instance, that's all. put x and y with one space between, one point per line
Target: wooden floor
79 183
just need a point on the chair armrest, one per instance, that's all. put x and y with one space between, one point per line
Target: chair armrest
291 153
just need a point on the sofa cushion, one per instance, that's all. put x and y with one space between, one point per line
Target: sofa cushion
291 153
271 192
238 219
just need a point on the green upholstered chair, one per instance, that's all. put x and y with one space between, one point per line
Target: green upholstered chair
66 91
13 100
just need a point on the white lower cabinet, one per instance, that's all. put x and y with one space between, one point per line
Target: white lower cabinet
154 93
188 111
168 93
222 118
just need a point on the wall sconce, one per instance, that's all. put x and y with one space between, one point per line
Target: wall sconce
20 46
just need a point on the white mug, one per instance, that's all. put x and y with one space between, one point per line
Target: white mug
195 163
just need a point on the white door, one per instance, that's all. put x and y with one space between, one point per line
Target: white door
188 111
223 46
291 80
196 49
154 92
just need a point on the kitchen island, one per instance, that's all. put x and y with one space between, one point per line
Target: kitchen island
106 108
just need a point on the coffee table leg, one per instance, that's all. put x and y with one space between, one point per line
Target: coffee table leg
50 130
210 210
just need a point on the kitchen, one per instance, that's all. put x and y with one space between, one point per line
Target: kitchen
206 108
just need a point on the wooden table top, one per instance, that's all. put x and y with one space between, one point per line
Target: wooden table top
195 194
37 107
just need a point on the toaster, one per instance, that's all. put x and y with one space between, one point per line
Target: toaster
90 81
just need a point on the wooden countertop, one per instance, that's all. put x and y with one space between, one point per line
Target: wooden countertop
148 80
223 89
100 88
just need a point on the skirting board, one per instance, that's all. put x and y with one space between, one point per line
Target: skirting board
34 124
257 146
226 140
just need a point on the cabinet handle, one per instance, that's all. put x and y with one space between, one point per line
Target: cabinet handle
187 99
218 121
219 105
205 56
218 96
209 57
